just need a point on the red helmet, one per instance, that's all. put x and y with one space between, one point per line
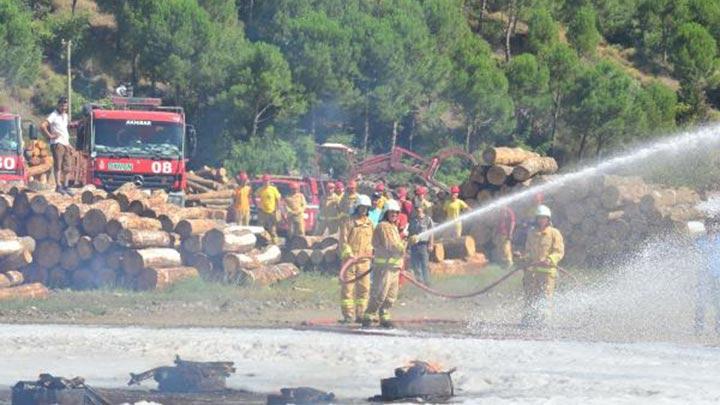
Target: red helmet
380 187
242 176
402 192
352 184
294 186
339 185
455 190
265 178
420 190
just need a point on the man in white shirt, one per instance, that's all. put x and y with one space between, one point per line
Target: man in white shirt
55 127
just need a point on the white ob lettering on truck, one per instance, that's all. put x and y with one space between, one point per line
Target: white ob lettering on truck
161 167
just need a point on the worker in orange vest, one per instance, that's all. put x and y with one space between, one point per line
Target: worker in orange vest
268 208
453 208
241 200
296 205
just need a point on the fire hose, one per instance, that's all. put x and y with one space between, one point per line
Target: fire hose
408 276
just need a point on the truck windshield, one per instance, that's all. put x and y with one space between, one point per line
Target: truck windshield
9 135
138 138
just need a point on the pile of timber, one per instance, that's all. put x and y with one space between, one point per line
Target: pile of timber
607 217
39 161
504 170
313 253
129 238
604 218
210 187
15 254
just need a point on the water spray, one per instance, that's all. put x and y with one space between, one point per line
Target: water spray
705 136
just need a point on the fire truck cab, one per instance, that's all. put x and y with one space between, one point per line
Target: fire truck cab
135 140
12 162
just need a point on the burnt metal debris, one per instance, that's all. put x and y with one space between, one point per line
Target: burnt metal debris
300 396
188 376
49 389
419 380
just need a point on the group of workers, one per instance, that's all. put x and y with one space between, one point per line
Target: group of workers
377 231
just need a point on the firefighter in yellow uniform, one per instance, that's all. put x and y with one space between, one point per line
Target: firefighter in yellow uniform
453 208
295 205
329 211
348 200
356 235
268 212
389 250
241 200
380 188
544 248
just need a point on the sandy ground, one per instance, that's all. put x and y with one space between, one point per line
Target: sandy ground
489 371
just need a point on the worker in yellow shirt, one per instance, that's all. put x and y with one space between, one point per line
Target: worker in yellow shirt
380 188
295 205
347 204
268 212
453 208
241 200
544 248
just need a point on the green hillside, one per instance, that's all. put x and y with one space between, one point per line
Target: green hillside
264 80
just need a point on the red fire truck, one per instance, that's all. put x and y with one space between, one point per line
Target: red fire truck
12 163
135 140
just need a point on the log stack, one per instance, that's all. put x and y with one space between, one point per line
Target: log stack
15 254
210 187
313 253
504 170
39 161
607 217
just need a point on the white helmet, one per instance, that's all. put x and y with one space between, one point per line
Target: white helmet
543 211
391 205
363 200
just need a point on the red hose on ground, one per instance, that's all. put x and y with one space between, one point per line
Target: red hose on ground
407 275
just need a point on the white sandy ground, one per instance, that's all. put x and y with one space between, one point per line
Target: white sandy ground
489 371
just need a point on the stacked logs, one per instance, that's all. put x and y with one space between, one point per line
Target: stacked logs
210 187
504 170
131 238
603 218
39 161
313 253
16 253
606 217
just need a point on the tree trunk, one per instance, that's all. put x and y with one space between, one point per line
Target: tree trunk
26 291
11 279
498 174
188 227
534 166
142 239
583 142
131 221
553 128
161 278
468 133
393 142
366 126
267 275
102 242
97 217
217 241
137 260
506 156
510 28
